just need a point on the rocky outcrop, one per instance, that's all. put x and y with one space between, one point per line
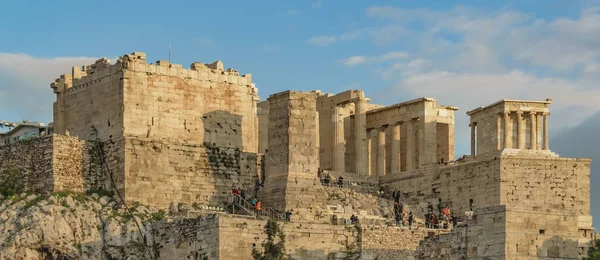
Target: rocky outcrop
74 226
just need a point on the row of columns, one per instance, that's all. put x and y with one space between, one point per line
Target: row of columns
370 151
360 135
535 135
377 153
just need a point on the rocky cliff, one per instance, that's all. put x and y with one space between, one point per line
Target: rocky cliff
74 226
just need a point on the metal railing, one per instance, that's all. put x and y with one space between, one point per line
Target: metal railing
247 207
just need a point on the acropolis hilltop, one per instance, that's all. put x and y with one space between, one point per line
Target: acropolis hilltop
164 136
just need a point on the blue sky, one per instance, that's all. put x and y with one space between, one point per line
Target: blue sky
466 54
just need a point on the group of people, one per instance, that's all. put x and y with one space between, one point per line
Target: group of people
241 193
326 180
441 220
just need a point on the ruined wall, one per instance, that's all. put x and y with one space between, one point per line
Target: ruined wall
233 237
54 163
158 173
389 242
33 160
454 184
188 238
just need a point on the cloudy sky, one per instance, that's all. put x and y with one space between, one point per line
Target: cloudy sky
464 54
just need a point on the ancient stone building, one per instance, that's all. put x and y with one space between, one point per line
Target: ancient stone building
175 135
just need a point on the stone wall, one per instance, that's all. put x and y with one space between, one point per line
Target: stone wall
33 160
200 105
389 242
263 126
158 173
454 184
552 185
233 237
483 237
90 98
54 163
291 180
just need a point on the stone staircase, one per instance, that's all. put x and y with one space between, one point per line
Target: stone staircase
243 207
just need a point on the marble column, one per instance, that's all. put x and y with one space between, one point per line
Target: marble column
360 135
410 145
396 148
520 131
533 131
546 115
338 140
373 147
472 125
507 131
381 152
538 132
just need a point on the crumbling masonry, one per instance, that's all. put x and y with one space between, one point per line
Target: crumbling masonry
175 135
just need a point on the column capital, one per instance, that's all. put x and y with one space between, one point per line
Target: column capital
399 123
545 113
532 113
506 113
519 112
383 127
472 124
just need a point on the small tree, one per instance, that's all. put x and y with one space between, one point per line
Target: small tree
272 250
10 181
594 251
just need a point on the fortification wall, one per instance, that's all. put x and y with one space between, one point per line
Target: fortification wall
32 160
552 185
54 163
233 237
158 173
484 237
92 98
388 242
455 185
198 105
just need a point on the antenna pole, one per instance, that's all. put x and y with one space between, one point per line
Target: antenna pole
169 52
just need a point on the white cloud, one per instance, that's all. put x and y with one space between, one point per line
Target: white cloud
357 60
291 12
25 91
354 60
323 40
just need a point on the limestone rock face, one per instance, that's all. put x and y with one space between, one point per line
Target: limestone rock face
72 226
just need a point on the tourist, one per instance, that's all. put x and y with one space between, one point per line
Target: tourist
410 220
257 206
236 194
327 180
254 201
454 221
288 215
340 181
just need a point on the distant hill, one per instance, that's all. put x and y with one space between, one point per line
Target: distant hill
583 141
